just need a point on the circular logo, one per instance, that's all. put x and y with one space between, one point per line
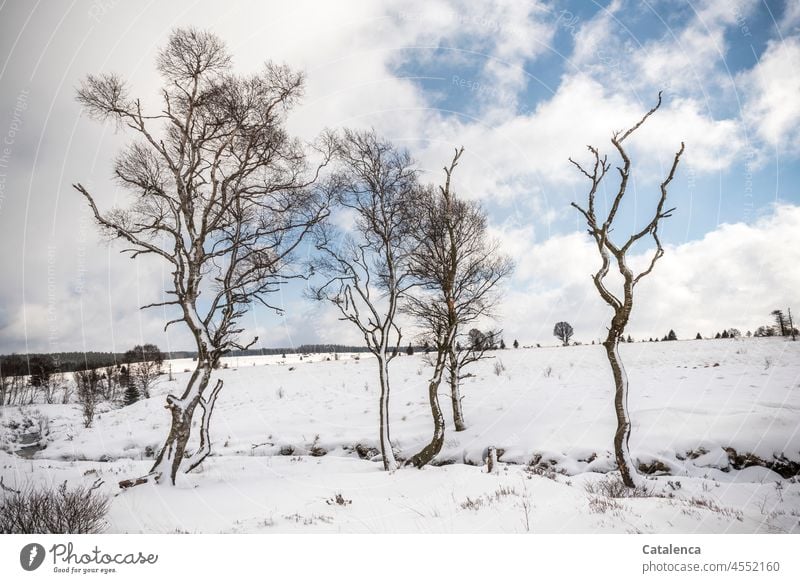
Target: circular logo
31 556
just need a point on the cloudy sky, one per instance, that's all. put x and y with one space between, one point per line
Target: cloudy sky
521 85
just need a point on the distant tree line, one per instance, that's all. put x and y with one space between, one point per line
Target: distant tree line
783 326
36 363
118 378
313 349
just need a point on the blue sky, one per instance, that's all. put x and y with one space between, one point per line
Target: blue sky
522 85
713 197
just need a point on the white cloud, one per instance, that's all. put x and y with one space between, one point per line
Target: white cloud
733 277
350 56
687 62
772 89
693 58
790 23
524 157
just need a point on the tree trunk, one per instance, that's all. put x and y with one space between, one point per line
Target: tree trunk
207 404
171 456
622 435
491 459
455 395
433 448
389 461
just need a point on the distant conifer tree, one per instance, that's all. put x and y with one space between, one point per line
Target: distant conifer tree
131 394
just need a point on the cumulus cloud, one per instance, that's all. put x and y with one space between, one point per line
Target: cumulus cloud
516 157
692 58
733 277
790 23
772 89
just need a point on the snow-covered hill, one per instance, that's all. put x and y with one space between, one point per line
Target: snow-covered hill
290 434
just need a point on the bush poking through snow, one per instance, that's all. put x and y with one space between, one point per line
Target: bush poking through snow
545 468
48 510
612 486
338 500
315 449
603 505
499 367
310 520
87 382
487 499
470 504
714 507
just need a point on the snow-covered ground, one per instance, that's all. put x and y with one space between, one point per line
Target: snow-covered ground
285 433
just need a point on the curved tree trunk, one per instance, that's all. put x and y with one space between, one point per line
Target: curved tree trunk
389 461
207 404
623 433
171 457
437 441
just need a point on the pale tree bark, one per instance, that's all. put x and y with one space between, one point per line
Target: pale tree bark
460 357
491 459
455 391
221 193
364 270
609 251
457 270
385 438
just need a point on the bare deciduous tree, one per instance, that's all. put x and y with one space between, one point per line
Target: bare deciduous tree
622 306
144 367
457 270
563 331
144 375
475 348
60 383
111 383
5 388
12 389
222 194
87 385
365 268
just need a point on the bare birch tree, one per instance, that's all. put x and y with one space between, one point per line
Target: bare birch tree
144 367
473 349
365 268
457 270
610 251
220 192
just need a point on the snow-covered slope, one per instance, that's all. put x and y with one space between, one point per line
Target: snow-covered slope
689 400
